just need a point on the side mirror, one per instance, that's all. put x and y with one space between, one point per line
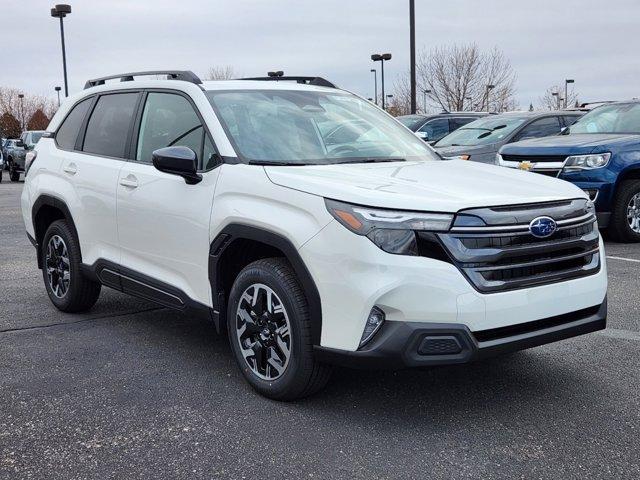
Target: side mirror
181 161
20 144
423 135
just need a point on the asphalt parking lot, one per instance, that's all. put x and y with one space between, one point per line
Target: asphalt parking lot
130 390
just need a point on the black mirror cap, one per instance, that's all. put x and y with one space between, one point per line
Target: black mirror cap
181 161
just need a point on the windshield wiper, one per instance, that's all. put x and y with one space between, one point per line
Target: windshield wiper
276 163
372 160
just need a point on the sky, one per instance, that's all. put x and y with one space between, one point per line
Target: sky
594 42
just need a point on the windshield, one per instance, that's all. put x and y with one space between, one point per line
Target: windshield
412 122
312 128
35 136
482 132
617 118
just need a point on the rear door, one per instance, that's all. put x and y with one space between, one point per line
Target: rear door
90 163
163 223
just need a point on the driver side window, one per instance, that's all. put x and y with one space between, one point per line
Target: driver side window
169 120
543 127
435 129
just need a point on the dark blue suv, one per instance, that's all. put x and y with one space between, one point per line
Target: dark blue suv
600 154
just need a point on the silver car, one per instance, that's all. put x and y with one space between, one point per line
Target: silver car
480 140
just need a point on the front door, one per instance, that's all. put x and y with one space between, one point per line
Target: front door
163 223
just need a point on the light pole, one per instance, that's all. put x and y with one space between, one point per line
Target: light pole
57 89
21 97
425 92
566 96
489 88
375 83
557 95
412 52
376 57
61 11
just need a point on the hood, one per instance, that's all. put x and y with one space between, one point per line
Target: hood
573 144
435 186
469 150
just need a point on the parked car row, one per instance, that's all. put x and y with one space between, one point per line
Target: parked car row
597 149
14 152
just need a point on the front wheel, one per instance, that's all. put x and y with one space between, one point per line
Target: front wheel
625 218
14 175
269 330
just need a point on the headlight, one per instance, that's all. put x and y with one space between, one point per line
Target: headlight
28 160
391 230
586 162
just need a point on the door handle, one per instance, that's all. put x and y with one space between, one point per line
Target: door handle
129 181
71 169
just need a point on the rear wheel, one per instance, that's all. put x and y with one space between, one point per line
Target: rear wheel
68 289
269 330
625 218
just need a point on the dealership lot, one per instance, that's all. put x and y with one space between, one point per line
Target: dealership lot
132 390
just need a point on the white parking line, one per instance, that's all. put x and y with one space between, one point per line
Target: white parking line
617 333
625 259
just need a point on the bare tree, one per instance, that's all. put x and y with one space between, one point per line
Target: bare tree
553 98
457 77
221 72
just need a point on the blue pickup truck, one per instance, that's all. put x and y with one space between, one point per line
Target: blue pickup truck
600 154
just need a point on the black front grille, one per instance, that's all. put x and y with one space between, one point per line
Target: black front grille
534 158
500 257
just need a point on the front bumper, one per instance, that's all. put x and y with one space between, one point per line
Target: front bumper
401 345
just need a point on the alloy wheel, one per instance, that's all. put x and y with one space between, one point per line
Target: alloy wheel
263 332
58 266
633 213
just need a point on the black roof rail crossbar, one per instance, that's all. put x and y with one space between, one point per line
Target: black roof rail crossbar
184 75
317 81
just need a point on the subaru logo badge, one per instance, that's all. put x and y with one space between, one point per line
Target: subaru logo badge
542 227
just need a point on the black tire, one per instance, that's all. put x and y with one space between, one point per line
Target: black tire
619 228
303 375
1 169
14 175
81 293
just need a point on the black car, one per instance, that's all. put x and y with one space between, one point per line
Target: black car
432 128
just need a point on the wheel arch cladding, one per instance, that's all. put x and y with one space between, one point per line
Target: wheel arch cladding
46 210
238 245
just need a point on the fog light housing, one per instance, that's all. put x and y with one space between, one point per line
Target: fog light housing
374 322
592 192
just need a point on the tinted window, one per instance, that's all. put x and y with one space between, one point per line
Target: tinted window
412 122
170 120
456 123
570 119
436 129
109 125
68 131
541 128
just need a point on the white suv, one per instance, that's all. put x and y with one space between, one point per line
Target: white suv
307 223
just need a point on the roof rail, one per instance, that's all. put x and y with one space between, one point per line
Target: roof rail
184 75
317 81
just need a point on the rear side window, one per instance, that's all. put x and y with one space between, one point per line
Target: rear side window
68 131
110 124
